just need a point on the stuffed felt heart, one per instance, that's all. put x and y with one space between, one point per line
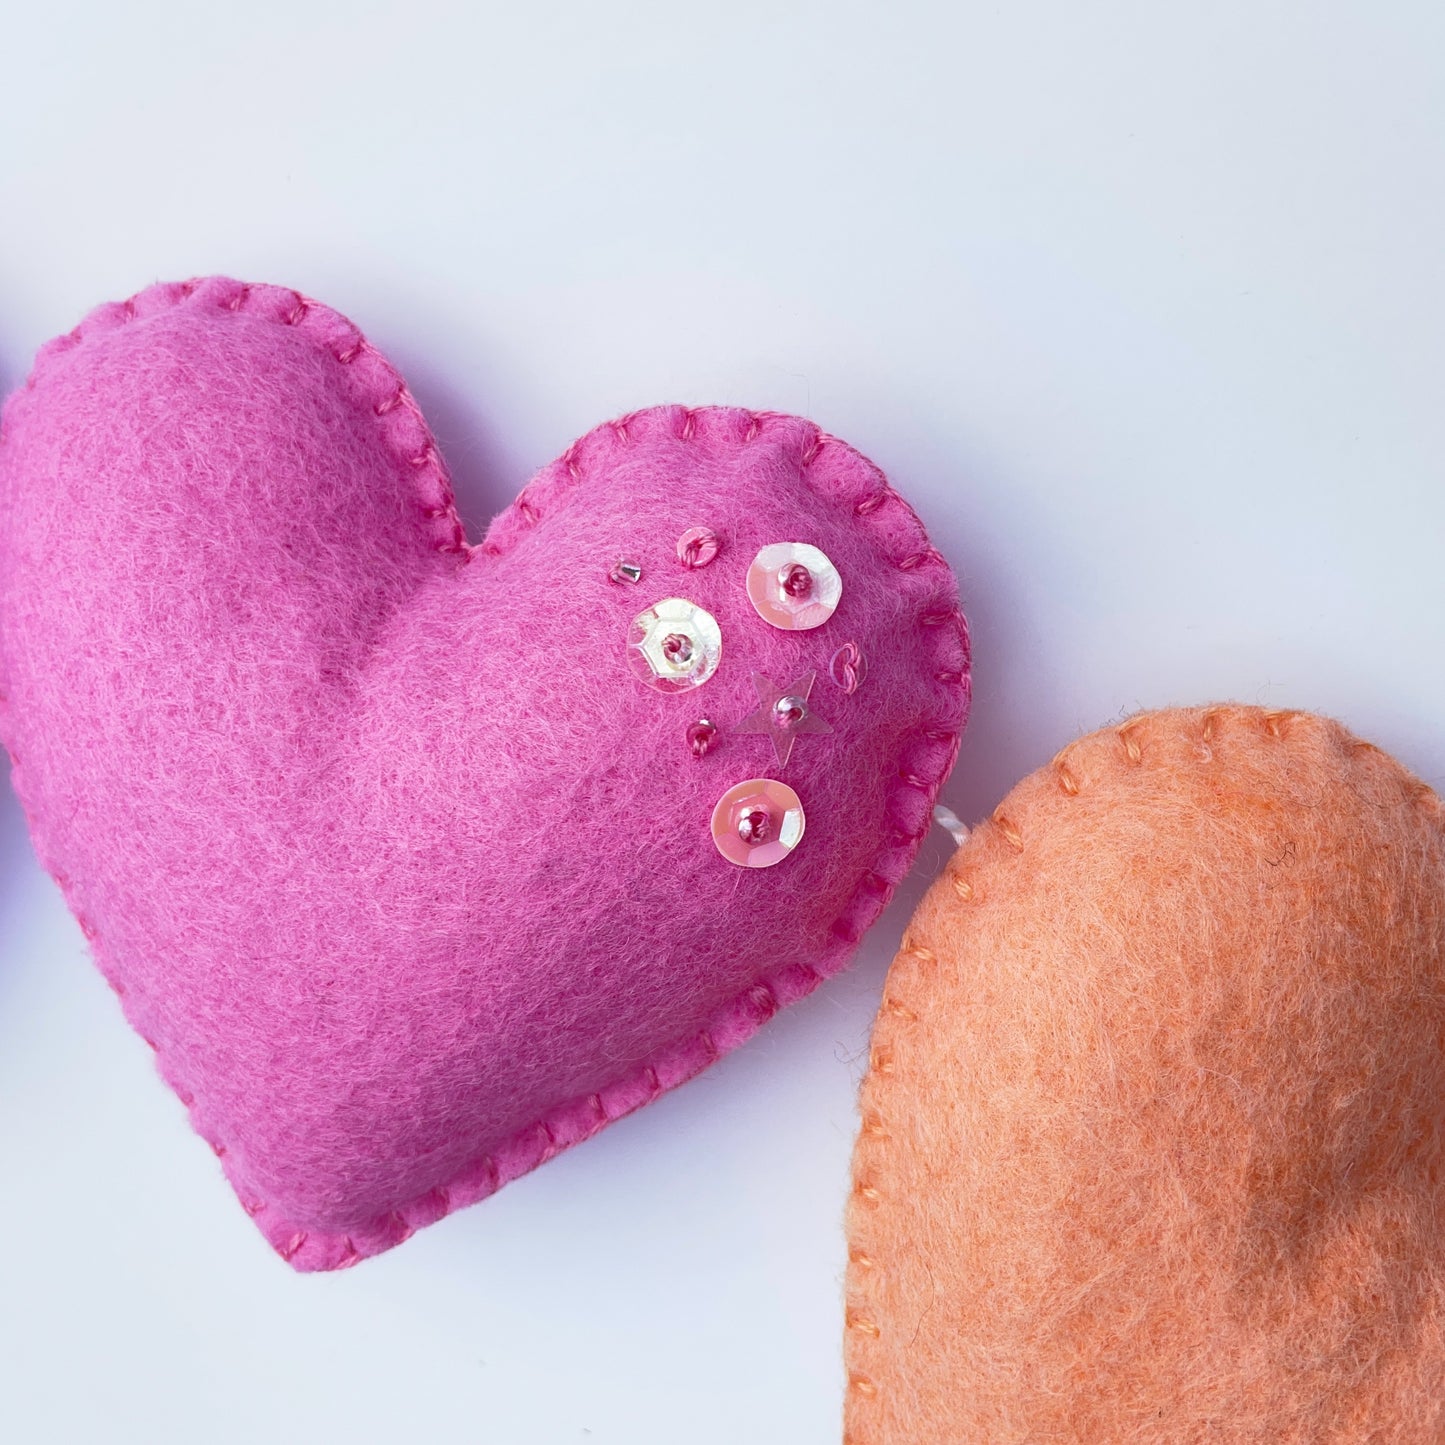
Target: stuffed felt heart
1153 1143
411 859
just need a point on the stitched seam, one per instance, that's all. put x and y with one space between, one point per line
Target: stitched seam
246 299
863 1265
760 994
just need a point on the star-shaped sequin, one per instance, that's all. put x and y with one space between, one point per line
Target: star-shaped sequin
783 713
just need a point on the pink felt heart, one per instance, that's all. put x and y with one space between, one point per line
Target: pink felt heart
392 854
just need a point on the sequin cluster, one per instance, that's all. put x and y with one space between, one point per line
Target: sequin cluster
675 645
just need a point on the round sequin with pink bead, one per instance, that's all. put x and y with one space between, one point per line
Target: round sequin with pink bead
758 823
794 586
674 645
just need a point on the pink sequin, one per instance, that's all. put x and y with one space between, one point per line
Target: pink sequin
783 713
758 823
698 546
794 586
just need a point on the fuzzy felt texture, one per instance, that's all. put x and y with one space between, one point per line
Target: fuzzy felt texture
1152 1132
405 876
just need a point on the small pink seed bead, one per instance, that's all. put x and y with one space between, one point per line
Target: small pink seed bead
796 580
700 737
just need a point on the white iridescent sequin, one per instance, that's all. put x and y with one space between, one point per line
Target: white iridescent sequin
794 586
674 645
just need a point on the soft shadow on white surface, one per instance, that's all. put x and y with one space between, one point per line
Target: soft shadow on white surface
412 327
16 859
17 862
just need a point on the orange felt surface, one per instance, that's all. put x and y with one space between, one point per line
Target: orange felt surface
1152 1129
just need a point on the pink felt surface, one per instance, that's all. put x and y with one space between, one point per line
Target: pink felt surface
404 875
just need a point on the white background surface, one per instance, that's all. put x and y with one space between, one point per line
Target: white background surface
1140 304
